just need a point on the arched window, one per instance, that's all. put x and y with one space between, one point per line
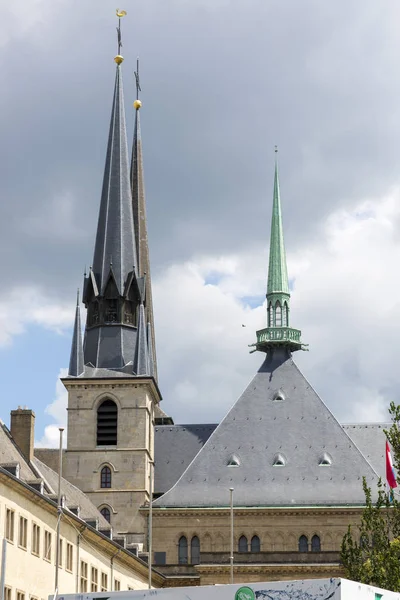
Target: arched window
278 315
315 543
285 320
182 551
303 543
270 315
255 543
242 546
111 313
94 313
105 477
106 513
195 550
107 422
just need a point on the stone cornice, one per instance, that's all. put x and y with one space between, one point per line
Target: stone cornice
270 511
118 382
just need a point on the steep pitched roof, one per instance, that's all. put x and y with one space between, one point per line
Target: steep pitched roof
175 446
115 240
370 439
278 413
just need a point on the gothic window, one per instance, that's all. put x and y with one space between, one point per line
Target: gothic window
315 543
128 312
285 315
255 543
111 314
303 543
195 550
270 315
242 546
94 313
278 315
105 477
106 514
182 551
107 422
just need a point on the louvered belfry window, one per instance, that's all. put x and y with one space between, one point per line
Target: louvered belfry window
107 423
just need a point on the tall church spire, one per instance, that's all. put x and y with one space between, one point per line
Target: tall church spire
113 291
278 332
76 366
139 216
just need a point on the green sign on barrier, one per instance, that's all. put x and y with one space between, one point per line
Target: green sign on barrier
245 593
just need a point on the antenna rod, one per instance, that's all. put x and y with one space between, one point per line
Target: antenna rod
59 511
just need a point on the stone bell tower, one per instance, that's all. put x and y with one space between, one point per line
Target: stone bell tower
113 396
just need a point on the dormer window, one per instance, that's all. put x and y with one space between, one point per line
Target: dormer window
325 460
279 460
233 461
279 396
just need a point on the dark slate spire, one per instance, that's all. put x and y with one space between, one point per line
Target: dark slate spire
112 290
278 332
115 240
76 366
141 362
139 215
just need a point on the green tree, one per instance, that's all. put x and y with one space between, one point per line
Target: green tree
370 551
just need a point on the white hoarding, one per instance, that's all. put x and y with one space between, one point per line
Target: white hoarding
309 589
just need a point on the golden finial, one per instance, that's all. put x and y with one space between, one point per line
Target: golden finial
137 104
119 58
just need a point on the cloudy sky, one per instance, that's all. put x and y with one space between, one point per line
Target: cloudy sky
223 81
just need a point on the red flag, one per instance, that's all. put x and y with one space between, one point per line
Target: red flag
390 476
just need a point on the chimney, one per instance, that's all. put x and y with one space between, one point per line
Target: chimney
23 430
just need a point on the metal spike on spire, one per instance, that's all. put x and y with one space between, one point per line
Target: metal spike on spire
76 366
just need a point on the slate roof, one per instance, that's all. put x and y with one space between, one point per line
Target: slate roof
258 428
175 446
10 454
371 440
73 495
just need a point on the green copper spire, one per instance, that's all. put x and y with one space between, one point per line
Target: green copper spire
278 332
277 273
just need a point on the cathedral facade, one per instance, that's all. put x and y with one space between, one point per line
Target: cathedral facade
295 473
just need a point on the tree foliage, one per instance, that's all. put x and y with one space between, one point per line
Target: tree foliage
370 551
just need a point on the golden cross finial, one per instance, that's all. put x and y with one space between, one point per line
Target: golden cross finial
120 14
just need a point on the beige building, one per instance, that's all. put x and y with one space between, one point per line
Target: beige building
89 560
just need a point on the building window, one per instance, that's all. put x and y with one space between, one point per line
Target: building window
111 315
195 550
9 531
255 544
23 533
35 539
60 554
278 315
106 513
105 478
242 546
303 543
47 545
95 580
70 557
270 315
107 422
182 551
128 312
315 543
104 582
20 595
285 315
94 313
160 558
84 576
117 585
7 593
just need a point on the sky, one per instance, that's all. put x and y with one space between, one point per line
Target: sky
222 82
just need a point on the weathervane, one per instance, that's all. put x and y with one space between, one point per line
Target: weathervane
120 14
